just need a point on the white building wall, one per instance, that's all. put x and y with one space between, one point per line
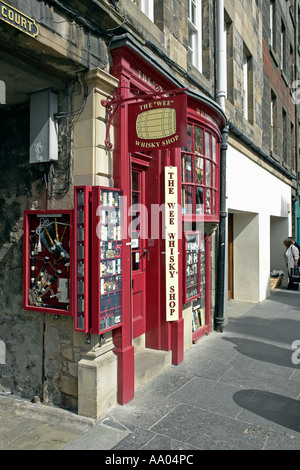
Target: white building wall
261 206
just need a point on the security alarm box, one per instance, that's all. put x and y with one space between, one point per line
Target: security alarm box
48 261
43 127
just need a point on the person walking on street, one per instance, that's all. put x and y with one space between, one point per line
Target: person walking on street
291 257
294 243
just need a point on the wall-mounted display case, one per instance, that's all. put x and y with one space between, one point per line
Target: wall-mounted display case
81 258
191 287
48 258
106 259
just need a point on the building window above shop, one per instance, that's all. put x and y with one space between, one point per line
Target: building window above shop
146 6
195 33
199 173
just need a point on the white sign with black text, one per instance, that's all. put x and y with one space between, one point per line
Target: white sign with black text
171 238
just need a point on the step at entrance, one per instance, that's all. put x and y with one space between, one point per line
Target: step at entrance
149 363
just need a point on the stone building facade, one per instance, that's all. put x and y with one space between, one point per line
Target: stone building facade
77 54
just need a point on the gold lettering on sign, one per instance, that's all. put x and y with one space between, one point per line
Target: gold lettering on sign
18 20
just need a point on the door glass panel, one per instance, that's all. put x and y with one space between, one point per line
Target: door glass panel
135 220
135 181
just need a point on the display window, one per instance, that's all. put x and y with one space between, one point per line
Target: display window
200 173
192 254
48 257
106 260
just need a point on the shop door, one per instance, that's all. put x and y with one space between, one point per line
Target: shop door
138 251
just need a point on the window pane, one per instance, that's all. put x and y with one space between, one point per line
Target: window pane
198 170
214 149
208 201
135 260
187 200
198 140
190 144
208 173
187 169
199 200
207 145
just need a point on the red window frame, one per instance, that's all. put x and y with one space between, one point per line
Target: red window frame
200 173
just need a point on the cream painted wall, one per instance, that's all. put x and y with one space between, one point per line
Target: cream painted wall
261 204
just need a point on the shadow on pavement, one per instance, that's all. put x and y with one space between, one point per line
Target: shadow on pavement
279 409
263 351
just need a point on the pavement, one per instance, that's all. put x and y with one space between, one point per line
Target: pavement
236 390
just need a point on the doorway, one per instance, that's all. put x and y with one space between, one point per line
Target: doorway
138 250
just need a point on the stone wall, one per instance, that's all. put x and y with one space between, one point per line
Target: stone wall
20 188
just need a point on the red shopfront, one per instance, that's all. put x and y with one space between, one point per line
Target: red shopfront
141 176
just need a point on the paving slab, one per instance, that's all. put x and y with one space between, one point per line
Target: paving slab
236 390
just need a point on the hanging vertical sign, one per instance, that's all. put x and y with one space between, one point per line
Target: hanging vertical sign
171 239
158 124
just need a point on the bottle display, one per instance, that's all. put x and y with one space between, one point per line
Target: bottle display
198 320
48 249
81 220
108 290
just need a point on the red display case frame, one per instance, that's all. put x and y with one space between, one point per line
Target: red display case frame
186 266
106 319
82 222
38 272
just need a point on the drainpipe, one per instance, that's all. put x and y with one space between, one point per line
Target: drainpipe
221 90
219 309
221 96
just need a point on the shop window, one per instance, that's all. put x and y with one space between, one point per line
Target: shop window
199 172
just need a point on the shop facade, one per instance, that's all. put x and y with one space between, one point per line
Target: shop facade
141 177
115 273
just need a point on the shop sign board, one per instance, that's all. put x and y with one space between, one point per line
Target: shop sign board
171 247
18 20
158 124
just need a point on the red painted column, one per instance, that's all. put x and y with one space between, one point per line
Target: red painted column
122 337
